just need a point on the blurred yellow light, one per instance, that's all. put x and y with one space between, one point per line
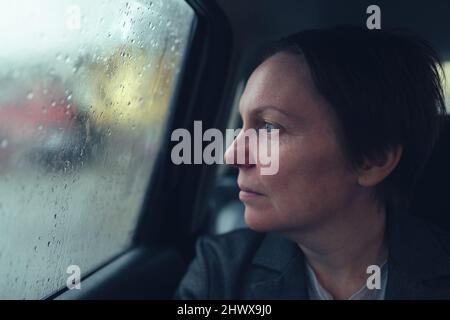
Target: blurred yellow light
132 89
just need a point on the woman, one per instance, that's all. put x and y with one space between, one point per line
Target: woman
358 113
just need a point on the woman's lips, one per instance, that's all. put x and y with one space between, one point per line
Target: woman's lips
248 194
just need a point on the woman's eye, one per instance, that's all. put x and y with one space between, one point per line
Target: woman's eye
269 127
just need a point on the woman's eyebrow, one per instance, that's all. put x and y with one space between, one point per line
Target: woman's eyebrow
261 109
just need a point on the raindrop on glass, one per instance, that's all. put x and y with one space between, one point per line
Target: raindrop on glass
4 143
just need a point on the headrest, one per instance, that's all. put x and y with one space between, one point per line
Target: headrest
431 200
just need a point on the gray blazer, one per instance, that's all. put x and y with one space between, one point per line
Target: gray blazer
244 264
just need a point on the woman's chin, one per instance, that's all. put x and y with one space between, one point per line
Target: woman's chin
258 220
261 220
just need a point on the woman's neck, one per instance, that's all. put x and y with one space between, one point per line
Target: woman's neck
340 250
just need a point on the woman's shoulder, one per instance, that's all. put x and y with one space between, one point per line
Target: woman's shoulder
219 263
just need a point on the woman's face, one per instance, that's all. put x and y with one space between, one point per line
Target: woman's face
313 182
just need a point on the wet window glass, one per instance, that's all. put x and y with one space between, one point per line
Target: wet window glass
85 90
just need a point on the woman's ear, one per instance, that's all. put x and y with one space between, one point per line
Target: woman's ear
375 169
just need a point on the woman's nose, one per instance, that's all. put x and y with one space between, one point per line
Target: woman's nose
238 154
230 154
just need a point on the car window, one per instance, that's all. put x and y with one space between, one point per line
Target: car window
84 96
